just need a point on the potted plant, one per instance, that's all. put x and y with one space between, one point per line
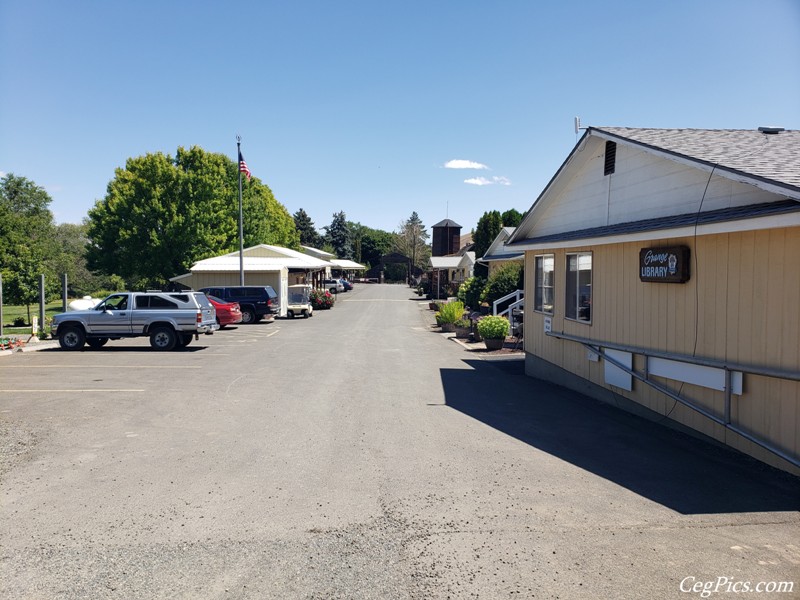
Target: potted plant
448 314
463 327
493 330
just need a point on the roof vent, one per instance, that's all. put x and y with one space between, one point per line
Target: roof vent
771 130
611 158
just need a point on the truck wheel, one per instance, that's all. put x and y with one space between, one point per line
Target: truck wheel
186 339
248 316
96 343
163 338
72 338
305 314
290 314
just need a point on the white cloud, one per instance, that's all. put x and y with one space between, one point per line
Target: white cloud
478 181
484 181
463 164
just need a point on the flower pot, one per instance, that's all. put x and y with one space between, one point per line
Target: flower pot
494 343
448 327
462 332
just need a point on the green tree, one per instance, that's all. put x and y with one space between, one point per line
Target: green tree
161 214
26 240
309 236
511 218
338 236
489 225
508 278
374 244
70 259
411 240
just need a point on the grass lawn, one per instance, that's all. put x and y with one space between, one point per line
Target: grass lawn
12 312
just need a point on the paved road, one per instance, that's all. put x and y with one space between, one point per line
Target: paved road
358 454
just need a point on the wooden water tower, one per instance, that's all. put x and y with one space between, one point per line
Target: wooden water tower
446 238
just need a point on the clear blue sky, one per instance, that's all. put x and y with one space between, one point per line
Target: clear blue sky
358 106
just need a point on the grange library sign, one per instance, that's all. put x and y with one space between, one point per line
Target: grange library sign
664 265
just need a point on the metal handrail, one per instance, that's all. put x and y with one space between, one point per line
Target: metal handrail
597 347
518 294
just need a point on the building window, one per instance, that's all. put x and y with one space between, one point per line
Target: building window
579 287
544 294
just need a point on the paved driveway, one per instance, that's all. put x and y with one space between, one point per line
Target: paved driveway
357 454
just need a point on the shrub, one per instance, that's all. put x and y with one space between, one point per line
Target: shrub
450 312
508 278
470 291
493 328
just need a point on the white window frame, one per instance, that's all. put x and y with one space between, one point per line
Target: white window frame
585 307
541 286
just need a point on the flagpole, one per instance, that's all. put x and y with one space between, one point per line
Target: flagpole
241 221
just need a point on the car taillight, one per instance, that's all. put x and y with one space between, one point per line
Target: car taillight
199 317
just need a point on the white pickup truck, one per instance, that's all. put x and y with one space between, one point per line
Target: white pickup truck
170 319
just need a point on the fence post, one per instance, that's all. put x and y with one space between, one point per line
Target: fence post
41 305
63 292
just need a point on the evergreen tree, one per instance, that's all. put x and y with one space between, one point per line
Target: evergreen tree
305 228
338 235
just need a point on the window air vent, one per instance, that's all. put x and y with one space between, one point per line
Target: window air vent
611 158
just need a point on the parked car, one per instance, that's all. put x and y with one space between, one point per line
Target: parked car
334 286
255 302
170 319
299 301
347 285
228 313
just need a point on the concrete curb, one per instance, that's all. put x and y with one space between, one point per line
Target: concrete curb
31 348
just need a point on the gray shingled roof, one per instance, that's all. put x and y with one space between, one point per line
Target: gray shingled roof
704 218
771 157
447 223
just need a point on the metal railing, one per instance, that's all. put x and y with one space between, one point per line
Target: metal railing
519 303
597 347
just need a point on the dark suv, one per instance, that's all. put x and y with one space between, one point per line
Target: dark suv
256 302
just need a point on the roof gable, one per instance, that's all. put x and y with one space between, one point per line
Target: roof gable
652 181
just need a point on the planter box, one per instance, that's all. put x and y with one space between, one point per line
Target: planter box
462 332
494 344
448 327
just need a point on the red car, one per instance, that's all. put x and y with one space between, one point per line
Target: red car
228 313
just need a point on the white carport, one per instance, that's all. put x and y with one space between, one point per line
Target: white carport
263 265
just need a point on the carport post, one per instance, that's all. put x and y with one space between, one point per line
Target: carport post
63 292
41 305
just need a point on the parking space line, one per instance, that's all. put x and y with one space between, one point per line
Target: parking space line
74 390
99 366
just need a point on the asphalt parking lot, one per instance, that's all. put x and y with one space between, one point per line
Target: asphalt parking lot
358 454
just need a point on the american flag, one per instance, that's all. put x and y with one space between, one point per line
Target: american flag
243 166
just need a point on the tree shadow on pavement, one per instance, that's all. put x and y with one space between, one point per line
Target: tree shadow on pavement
679 471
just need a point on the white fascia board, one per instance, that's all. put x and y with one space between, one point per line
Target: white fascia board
769 222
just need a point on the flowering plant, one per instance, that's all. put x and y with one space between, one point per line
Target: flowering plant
321 299
493 328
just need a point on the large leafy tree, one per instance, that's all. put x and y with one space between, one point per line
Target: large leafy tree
411 240
161 214
71 240
26 240
489 225
309 236
511 218
374 243
338 235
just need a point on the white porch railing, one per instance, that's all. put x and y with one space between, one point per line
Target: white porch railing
519 302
